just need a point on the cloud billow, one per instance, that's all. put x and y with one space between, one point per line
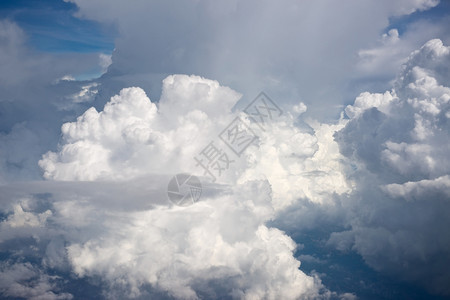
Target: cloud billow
221 241
399 142
391 192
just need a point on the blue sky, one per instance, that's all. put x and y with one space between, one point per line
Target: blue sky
441 11
52 26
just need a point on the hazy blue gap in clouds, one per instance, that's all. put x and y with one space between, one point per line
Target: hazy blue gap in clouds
343 271
434 14
52 27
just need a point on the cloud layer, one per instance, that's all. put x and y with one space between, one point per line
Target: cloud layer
399 143
219 245
390 187
288 49
374 182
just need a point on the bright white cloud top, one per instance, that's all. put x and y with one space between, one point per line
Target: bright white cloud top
223 240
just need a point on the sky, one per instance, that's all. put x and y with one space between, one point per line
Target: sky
224 150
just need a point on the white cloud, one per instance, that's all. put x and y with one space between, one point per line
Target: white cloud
420 190
21 218
87 93
105 61
180 250
367 100
23 280
379 62
399 144
217 247
132 137
385 59
223 238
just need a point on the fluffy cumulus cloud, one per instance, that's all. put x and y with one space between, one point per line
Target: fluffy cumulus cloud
398 143
219 246
133 136
198 252
215 248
